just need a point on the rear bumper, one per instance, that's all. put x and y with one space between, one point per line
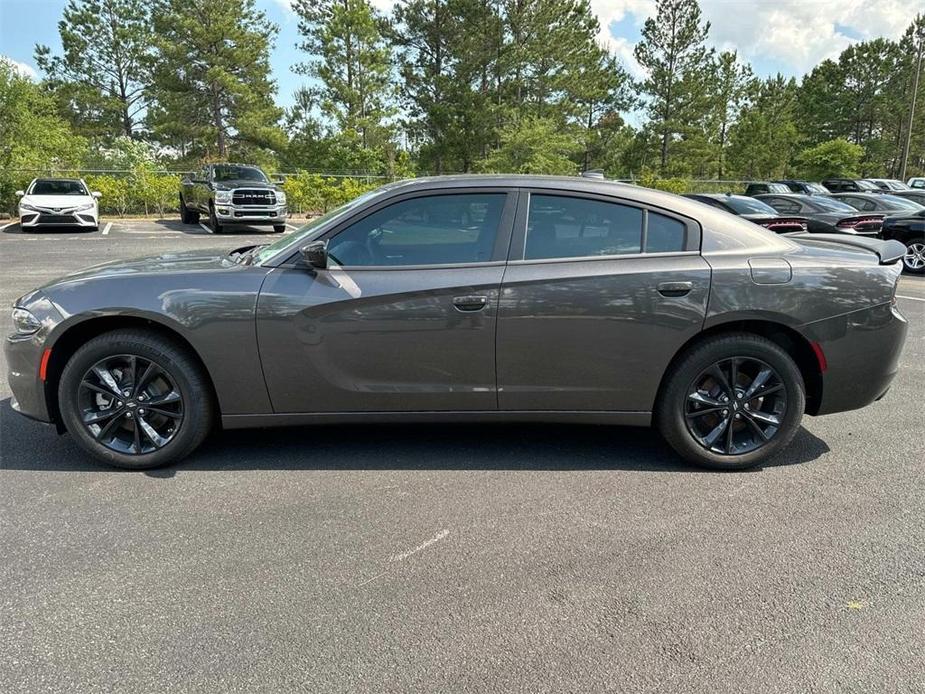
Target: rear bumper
862 351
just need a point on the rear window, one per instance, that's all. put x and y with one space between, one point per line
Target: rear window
831 205
744 205
57 187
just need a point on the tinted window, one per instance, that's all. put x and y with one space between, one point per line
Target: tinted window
748 206
52 187
898 203
867 185
783 205
831 204
664 234
561 227
433 230
238 173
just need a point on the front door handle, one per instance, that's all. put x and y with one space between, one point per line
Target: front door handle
675 288
470 303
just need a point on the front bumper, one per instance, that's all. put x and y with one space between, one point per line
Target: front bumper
862 351
24 359
250 214
30 220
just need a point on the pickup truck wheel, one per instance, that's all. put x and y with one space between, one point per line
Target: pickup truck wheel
279 228
187 216
213 221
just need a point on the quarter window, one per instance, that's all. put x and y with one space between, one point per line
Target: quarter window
563 227
664 234
431 230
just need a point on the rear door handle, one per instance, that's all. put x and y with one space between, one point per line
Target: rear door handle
470 303
675 288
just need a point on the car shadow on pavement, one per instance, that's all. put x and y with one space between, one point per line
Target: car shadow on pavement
27 445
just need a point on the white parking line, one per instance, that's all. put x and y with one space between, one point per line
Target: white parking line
9 225
208 230
911 298
108 227
292 227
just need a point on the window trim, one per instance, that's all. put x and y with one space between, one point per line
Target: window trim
499 251
519 241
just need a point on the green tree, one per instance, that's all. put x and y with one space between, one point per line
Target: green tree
673 52
765 137
835 158
533 145
33 137
105 67
349 56
212 79
732 83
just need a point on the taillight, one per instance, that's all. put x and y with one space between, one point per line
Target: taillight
847 223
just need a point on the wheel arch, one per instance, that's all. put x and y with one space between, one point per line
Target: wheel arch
77 334
786 337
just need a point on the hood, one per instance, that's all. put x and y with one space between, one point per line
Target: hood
63 202
243 183
188 261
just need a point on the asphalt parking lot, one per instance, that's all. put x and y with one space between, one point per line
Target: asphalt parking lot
458 558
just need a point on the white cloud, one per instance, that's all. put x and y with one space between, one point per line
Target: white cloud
24 69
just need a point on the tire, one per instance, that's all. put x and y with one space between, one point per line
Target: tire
687 408
213 221
279 228
914 260
187 216
121 439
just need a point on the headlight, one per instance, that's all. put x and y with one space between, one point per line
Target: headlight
280 197
88 206
223 196
25 206
24 322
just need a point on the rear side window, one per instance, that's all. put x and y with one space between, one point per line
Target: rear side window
664 234
563 227
430 230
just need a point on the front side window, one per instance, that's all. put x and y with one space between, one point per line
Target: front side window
58 187
563 227
431 230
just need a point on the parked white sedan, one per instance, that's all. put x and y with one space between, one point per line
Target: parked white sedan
54 202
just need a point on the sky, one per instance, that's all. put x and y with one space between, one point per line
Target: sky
787 36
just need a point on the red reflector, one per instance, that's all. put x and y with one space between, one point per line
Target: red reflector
820 356
43 367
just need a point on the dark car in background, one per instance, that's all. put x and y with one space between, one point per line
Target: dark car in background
232 194
850 185
888 185
758 188
908 229
426 300
753 210
917 196
804 187
825 214
878 202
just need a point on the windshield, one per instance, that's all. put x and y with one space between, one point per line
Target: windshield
831 204
749 206
816 188
898 203
867 185
53 187
306 231
239 173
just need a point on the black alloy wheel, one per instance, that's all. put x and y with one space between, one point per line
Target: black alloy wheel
130 404
736 406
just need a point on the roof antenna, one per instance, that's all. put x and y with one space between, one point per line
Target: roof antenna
597 174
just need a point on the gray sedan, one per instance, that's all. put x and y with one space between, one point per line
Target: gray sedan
468 298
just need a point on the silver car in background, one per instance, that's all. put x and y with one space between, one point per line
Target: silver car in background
471 298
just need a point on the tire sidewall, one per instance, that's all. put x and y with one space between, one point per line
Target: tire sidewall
176 364
908 269
670 415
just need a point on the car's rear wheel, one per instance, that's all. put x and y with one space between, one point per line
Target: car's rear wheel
914 260
135 399
213 221
731 402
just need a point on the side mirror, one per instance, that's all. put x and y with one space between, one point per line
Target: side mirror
279 180
20 193
97 194
316 254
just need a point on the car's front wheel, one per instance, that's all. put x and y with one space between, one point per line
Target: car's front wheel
279 228
731 402
135 399
187 216
217 228
914 259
